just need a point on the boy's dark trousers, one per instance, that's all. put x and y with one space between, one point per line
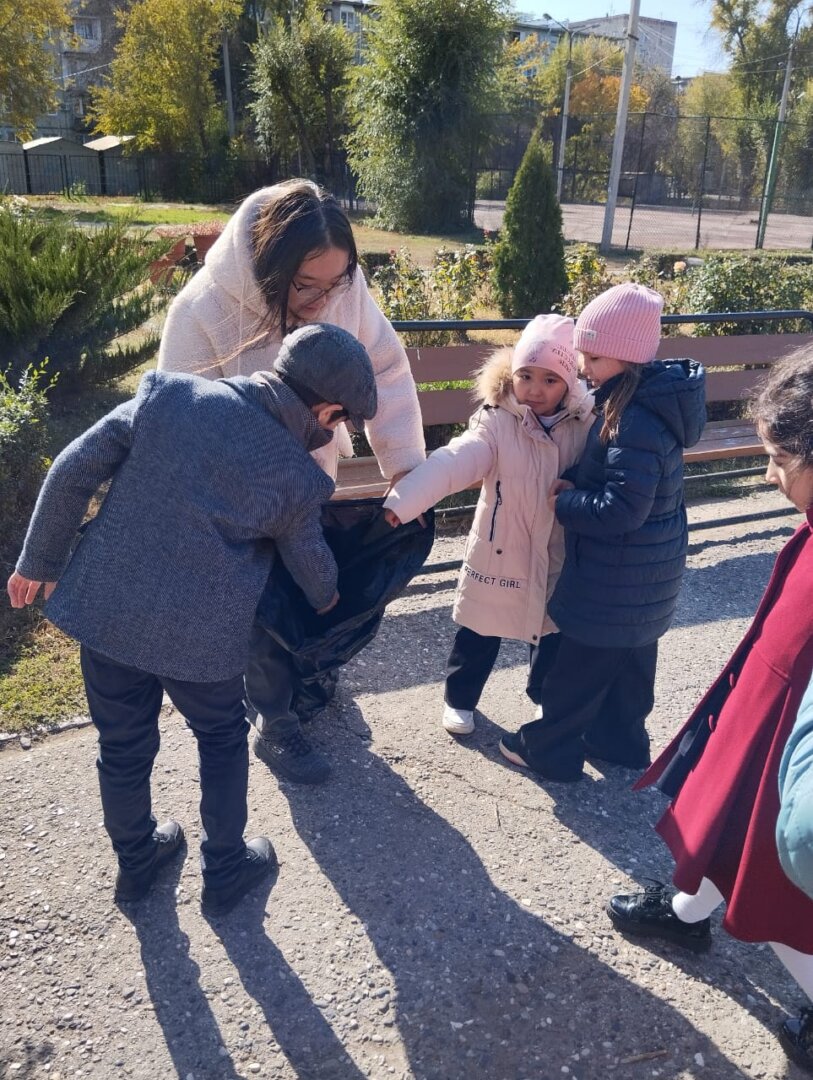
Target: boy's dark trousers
124 706
270 686
472 660
595 699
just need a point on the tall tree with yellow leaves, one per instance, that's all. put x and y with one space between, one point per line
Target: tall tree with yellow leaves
28 71
161 87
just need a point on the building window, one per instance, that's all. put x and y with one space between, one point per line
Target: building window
87 29
348 20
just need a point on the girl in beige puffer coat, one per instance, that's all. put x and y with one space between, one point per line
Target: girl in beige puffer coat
531 427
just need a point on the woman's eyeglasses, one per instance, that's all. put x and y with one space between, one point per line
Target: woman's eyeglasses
309 294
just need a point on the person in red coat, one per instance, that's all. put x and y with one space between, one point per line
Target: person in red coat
722 767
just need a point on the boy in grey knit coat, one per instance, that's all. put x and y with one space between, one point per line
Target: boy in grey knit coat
208 481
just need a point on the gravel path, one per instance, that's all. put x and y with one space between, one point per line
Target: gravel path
437 914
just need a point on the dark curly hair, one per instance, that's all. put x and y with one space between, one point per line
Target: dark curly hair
782 408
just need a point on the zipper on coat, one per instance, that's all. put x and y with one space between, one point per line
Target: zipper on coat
497 505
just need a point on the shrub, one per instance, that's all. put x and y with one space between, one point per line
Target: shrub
22 450
529 259
446 290
69 294
746 283
372 261
586 277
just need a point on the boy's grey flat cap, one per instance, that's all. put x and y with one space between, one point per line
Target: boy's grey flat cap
325 361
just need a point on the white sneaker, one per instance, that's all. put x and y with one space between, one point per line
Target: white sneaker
458 721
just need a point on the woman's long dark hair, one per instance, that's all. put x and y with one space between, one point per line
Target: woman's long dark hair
301 220
783 406
618 399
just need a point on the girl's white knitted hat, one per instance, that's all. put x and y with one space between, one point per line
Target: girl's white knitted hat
547 342
624 323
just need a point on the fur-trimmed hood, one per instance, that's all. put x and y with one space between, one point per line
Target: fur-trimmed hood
494 387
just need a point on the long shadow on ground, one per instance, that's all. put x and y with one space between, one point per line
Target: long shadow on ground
484 987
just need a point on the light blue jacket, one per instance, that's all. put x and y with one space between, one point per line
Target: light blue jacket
794 827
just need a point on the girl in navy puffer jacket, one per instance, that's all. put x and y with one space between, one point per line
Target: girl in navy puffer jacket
626 538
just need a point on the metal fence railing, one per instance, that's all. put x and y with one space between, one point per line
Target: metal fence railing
686 181
171 177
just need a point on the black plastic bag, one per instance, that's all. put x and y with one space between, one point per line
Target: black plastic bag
376 563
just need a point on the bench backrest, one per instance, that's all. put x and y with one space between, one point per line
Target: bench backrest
735 363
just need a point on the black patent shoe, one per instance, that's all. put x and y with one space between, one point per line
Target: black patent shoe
168 838
260 860
649 914
796 1037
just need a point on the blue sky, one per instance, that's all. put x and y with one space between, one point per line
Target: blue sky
696 48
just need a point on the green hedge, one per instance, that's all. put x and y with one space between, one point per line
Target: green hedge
22 452
73 295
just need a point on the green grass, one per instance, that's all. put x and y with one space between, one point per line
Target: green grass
43 684
421 248
101 211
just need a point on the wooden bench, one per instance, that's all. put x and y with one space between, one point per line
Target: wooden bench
734 365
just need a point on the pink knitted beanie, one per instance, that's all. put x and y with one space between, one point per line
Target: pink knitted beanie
547 342
624 322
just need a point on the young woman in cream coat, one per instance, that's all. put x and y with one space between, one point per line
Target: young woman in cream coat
532 426
286 258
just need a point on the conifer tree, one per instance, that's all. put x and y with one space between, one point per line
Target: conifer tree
424 101
529 256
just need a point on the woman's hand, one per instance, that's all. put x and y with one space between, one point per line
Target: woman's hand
391 518
22 590
328 607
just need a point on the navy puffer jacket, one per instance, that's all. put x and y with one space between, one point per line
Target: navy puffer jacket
625 521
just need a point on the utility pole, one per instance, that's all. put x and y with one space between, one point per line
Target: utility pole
227 80
773 166
560 168
620 125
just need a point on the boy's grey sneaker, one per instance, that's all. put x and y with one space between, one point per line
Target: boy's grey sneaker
168 838
650 914
293 758
260 860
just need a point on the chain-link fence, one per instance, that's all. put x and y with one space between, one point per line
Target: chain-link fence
686 181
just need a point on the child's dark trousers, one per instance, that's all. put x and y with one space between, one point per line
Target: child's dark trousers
124 706
593 698
270 686
472 660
